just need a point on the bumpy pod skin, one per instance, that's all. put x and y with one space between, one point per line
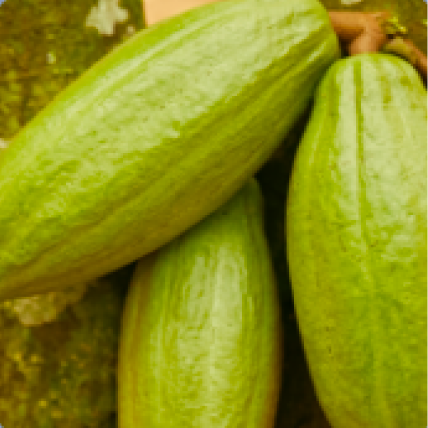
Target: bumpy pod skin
155 136
201 342
356 226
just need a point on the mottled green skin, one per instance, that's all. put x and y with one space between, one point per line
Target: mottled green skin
357 243
154 137
201 338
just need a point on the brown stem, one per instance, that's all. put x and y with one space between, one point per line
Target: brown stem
420 59
360 32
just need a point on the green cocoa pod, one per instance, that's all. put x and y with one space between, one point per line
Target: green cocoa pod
155 136
357 243
201 334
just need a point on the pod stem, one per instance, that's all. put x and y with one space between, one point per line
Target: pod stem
360 32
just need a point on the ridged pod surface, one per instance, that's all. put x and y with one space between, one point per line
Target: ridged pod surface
201 342
356 226
155 136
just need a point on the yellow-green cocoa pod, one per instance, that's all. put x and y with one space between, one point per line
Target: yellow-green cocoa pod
201 341
154 137
357 243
